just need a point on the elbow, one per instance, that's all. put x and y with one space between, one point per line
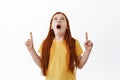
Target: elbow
80 66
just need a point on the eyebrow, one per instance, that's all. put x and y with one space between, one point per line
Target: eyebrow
60 17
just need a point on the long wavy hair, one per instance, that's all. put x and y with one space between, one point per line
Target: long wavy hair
70 42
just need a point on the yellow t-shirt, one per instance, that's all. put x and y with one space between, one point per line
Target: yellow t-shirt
58 63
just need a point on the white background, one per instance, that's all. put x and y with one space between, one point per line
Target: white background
100 18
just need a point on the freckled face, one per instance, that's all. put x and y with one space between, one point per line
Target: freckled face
59 24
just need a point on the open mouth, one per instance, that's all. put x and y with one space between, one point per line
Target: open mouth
58 26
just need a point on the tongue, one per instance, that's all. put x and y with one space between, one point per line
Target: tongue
58 26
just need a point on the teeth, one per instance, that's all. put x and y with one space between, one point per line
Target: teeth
58 26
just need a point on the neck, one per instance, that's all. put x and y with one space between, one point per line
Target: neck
59 38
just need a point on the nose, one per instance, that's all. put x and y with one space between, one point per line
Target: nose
58 20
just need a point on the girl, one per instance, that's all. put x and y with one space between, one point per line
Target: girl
60 53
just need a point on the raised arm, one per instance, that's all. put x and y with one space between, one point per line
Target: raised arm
30 46
88 47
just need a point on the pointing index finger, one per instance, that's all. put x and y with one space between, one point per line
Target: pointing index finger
31 36
86 36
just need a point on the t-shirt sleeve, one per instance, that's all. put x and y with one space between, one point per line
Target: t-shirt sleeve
79 49
40 49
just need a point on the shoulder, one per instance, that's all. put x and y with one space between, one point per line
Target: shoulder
76 41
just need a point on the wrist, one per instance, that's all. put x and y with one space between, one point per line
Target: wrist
87 51
31 49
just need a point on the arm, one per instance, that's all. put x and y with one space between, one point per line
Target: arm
35 57
30 46
83 59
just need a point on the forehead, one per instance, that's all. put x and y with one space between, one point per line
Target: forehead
59 15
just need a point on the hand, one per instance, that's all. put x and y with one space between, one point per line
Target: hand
88 44
29 42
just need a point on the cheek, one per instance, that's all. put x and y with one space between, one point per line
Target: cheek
65 26
53 26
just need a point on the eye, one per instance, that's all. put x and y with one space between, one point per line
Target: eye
62 18
55 18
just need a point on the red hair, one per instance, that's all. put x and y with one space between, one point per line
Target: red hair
70 42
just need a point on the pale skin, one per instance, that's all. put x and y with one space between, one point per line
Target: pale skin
88 47
30 46
59 35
